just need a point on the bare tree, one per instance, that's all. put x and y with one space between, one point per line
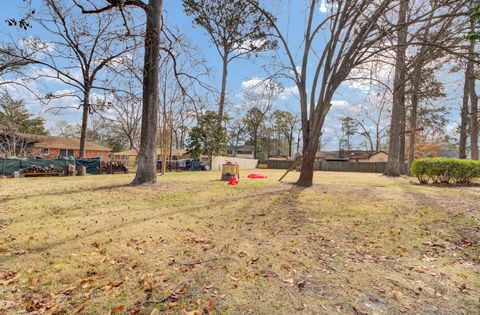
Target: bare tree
260 100
471 78
352 36
464 111
236 132
396 148
15 144
372 119
286 124
146 170
125 113
80 50
236 29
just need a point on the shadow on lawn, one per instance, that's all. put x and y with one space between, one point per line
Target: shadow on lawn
152 216
73 191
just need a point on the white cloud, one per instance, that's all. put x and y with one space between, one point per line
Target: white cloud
256 86
369 75
249 45
340 105
323 7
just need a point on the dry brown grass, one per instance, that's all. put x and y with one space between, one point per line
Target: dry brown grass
353 243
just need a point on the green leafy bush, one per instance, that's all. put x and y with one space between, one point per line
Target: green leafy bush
446 171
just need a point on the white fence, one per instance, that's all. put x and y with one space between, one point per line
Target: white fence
218 161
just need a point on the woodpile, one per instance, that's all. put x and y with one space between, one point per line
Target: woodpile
40 171
112 167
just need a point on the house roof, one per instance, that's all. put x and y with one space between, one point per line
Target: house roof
73 143
279 158
241 147
133 152
326 154
351 154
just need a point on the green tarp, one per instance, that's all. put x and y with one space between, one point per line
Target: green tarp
92 165
8 166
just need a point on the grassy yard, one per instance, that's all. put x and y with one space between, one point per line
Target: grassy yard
352 244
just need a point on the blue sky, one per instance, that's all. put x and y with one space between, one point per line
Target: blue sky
290 15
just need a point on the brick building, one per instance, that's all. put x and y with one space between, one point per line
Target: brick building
54 147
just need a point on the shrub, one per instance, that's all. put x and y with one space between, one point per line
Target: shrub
443 170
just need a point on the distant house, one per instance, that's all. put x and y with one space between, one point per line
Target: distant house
352 156
45 146
329 156
280 158
244 151
54 147
130 156
366 156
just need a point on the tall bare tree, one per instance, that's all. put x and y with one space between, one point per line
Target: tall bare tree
146 169
471 78
260 100
81 48
286 124
396 151
236 29
352 34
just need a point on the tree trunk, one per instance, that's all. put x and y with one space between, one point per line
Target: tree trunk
290 144
394 149
146 170
255 140
170 142
413 111
473 100
462 148
308 164
237 139
299 137
84 130
164 143
402 141
221 104
164 132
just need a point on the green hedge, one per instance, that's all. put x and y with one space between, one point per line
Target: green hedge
447 171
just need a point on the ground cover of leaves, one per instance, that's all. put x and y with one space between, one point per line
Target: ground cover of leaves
352 244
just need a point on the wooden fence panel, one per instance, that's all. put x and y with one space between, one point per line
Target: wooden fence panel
336 166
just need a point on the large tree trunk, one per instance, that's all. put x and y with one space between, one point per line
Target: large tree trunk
308 163
146 170
84 130
464 120
401 151
394 167
223 91
473 101
416 78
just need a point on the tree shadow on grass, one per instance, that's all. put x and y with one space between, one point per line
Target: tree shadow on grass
152 216
72 191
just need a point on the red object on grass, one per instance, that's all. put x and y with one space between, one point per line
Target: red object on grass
256 176
233 181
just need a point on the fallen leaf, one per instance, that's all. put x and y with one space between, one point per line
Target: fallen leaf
211 306
118 308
